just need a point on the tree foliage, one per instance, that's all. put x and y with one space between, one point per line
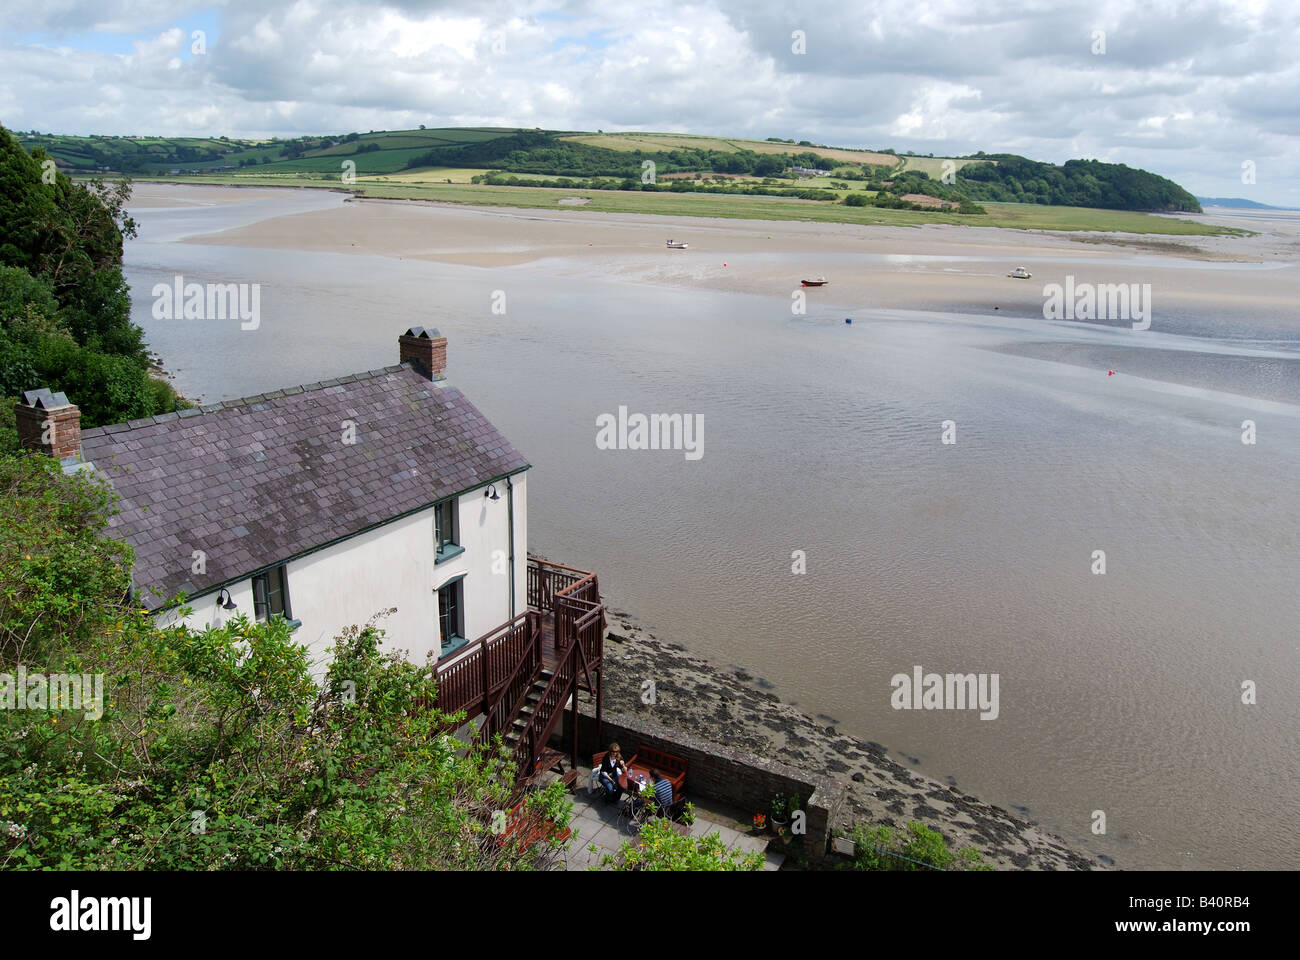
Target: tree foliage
218 749
660 847
917 848
545 152
1078 183
64 303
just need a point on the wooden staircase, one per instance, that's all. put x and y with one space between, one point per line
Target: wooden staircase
528 709
579 637
522 675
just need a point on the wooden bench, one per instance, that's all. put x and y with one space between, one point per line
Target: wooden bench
674 768
551 761
528 829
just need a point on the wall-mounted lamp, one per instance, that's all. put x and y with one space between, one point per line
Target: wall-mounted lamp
229 604
491 492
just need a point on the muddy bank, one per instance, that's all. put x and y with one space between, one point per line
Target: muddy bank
695 696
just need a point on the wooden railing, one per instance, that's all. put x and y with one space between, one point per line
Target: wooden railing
494 674
587 589
546 580
579 634
504 705
582 621
534 736
475 678
550 583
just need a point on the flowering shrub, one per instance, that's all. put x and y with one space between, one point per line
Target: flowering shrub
660 847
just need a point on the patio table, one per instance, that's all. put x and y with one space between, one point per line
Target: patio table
636 773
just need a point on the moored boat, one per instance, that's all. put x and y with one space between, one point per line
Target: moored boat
676 245
1020 273
819 282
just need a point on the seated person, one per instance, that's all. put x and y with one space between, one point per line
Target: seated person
611 768
663 793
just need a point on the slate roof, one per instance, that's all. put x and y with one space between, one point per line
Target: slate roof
257 481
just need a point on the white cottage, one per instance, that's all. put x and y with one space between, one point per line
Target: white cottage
326 503
330 503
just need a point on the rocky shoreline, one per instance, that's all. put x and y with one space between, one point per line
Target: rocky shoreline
697 697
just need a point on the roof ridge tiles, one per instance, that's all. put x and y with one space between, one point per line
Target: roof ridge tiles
245 402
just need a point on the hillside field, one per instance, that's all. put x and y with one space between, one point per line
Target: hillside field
1009 215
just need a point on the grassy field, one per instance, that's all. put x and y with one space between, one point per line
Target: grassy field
379 160
1008 215
934 165
427 175
160 155
669 141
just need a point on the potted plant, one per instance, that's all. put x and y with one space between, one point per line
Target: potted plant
780 812
760 822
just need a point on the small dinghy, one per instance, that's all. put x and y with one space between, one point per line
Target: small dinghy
819 282
1020 273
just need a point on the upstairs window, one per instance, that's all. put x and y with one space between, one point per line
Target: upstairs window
271 595
446 532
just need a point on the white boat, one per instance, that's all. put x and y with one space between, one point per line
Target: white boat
677 245
1020 273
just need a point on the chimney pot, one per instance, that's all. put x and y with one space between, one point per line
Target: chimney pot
425 350
49 423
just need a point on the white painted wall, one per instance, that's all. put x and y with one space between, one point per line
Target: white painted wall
207 613
393 566
484 533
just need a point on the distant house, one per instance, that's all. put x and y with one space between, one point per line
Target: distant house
810 172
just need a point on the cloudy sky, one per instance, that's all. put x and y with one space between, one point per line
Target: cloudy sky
1191 90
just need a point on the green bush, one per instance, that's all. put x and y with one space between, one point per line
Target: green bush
882 848
660 847
64 304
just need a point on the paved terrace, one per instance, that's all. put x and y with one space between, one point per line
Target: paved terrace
598 823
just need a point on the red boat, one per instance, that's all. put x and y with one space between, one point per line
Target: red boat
819 282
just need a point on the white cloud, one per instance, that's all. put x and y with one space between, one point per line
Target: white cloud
1183 89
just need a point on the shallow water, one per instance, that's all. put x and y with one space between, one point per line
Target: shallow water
1118 692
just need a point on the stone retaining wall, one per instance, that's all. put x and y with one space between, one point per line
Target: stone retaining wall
716 772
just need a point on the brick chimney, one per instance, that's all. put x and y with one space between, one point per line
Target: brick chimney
49 423
426 350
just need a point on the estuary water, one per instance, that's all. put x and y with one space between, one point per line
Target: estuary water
1119 692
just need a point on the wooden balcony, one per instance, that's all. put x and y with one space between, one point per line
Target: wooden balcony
572 598
491 674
